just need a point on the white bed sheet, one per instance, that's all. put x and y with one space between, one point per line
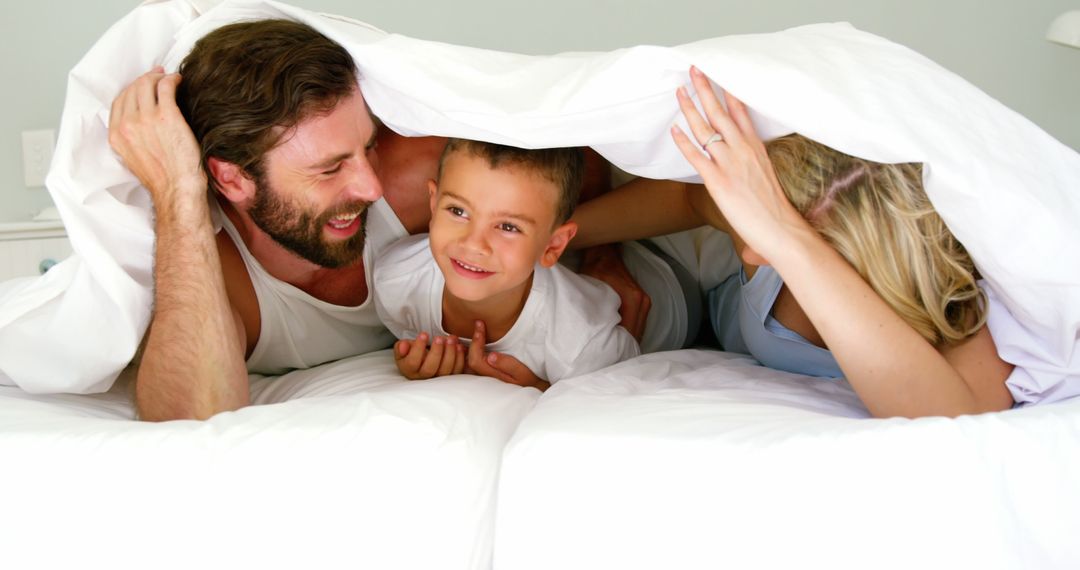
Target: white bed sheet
702 459
383 474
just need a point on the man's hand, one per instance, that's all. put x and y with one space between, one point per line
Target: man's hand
416 361
604 262
193 362
151 136
499 366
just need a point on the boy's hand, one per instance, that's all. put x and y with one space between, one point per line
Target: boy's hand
416 361
499 366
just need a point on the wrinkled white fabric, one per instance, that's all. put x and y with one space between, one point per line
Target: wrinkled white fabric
1006 188
703 459
385 474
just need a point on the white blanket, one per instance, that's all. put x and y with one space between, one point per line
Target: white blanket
384 474
1006 188
701 459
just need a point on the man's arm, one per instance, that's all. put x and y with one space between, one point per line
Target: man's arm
643 208
639 209
192 365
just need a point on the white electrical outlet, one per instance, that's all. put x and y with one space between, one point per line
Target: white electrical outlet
37 155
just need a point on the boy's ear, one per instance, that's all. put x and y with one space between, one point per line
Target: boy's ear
560 238
232 181
433 190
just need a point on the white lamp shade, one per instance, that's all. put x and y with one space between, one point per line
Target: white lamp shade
1065 29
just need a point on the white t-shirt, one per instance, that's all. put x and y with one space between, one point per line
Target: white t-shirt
299 331
569 325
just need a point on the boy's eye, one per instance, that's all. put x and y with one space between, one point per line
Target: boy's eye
455 211
508 227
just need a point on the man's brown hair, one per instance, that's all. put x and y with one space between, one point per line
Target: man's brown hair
564 167
246 85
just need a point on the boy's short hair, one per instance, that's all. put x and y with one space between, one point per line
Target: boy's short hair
564 167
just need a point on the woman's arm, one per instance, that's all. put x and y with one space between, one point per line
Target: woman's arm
894 370
639 209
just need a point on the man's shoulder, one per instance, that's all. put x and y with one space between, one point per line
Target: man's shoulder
404 168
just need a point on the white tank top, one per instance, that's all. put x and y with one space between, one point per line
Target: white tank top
300 331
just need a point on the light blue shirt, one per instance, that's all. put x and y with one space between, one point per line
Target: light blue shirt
740 310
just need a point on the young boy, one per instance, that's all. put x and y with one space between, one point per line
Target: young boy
488 272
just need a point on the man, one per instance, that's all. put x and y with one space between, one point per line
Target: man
280 132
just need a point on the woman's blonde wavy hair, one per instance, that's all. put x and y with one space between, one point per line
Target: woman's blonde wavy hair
879 218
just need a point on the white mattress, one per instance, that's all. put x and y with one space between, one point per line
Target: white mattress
701 459
385 474
686 459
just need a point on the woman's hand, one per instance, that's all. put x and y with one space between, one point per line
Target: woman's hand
736 169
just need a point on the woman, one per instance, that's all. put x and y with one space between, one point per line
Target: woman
863 279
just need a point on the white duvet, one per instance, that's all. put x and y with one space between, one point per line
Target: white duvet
689 459
703 460
343 466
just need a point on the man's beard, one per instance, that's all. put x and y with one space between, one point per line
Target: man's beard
301 231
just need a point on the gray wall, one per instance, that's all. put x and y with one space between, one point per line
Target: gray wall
996 44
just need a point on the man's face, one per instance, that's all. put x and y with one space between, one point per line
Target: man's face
489 227
316 186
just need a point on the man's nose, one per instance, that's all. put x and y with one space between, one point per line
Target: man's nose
362 182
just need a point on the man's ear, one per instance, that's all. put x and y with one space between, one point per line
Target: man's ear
232 181
560 238
433 190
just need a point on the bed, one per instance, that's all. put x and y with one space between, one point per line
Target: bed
682 459
704 459
345 465
686 459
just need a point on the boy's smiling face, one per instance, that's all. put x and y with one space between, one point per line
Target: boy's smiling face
490 227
